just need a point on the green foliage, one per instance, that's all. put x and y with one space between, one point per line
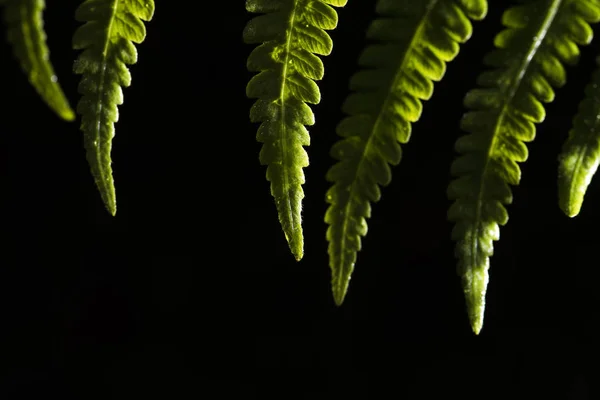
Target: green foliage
290 33
581 152
414 41
26 34
111 27
540 36
411 43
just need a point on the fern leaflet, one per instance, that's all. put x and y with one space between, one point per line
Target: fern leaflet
106 38
24 21
527 64
290 33
415 41
580 155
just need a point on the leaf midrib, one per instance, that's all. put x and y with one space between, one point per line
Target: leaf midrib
283 138
527 58
102 78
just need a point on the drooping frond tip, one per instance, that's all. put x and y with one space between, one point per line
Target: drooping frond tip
25 31
413 42
580 155
527 64
111 27
289 34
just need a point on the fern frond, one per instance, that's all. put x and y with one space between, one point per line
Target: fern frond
415 40
580 154
106 38
25 32
290 33
528 62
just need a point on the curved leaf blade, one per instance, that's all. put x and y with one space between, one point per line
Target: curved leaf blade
25 31
289 34
106 38
415 40
580 156
540 37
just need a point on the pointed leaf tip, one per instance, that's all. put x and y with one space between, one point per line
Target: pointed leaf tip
295 241
112 209
298 253
475 282
339 293
108 196
339 297
67 114
477 324
475 310
571 210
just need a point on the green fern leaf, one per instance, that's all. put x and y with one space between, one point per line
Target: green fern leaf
106 38
415 41
25 31
290 33
528 63
580 155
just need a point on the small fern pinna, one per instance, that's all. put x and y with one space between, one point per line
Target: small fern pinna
24 23
290 33
106 38
410 44
540 37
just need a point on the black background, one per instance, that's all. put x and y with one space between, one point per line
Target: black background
191 292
